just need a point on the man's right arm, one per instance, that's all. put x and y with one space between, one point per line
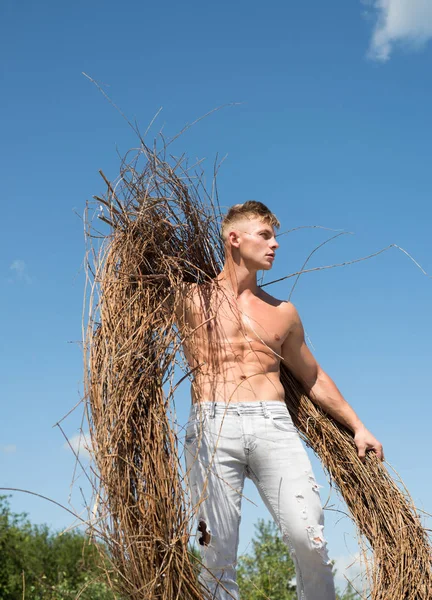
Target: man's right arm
321 388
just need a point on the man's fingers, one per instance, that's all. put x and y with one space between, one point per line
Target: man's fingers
367 443
378 449
361 449
380 452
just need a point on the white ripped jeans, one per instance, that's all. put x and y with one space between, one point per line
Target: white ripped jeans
225 443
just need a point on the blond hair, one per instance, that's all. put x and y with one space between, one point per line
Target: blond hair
250 209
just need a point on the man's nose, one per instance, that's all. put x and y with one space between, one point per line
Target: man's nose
274 244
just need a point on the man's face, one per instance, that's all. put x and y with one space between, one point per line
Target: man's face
256 243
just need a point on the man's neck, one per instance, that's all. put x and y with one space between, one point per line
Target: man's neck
238 279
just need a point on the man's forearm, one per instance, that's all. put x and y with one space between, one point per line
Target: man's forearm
325 394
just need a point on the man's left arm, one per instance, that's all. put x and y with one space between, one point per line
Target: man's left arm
321 389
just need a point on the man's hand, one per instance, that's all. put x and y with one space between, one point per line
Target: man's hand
365 441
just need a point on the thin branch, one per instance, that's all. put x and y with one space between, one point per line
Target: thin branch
350 262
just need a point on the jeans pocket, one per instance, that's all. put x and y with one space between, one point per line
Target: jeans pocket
282 421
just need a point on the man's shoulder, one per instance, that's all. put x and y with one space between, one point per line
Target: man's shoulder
285 306
190 292
288 312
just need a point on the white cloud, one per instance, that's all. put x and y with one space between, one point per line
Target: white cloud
81 445
10 449
406 22
19 269
351 568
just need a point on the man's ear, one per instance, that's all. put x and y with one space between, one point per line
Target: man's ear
233 238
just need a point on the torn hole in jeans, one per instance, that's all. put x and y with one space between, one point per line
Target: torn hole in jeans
303 512
315 486
311 479
205 538
318 542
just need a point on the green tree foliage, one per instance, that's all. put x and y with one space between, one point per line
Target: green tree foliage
267 573
36 564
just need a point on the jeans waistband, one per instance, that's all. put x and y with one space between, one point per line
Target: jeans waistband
262 407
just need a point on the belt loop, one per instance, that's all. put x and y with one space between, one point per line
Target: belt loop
265 409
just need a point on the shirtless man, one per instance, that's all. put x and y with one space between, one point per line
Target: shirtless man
239 425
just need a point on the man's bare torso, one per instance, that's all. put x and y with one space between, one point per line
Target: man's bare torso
233 345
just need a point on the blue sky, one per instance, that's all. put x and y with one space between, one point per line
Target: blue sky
332 128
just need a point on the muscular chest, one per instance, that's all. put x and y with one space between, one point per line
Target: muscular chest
221 319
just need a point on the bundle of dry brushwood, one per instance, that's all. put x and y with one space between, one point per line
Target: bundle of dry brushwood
163 231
